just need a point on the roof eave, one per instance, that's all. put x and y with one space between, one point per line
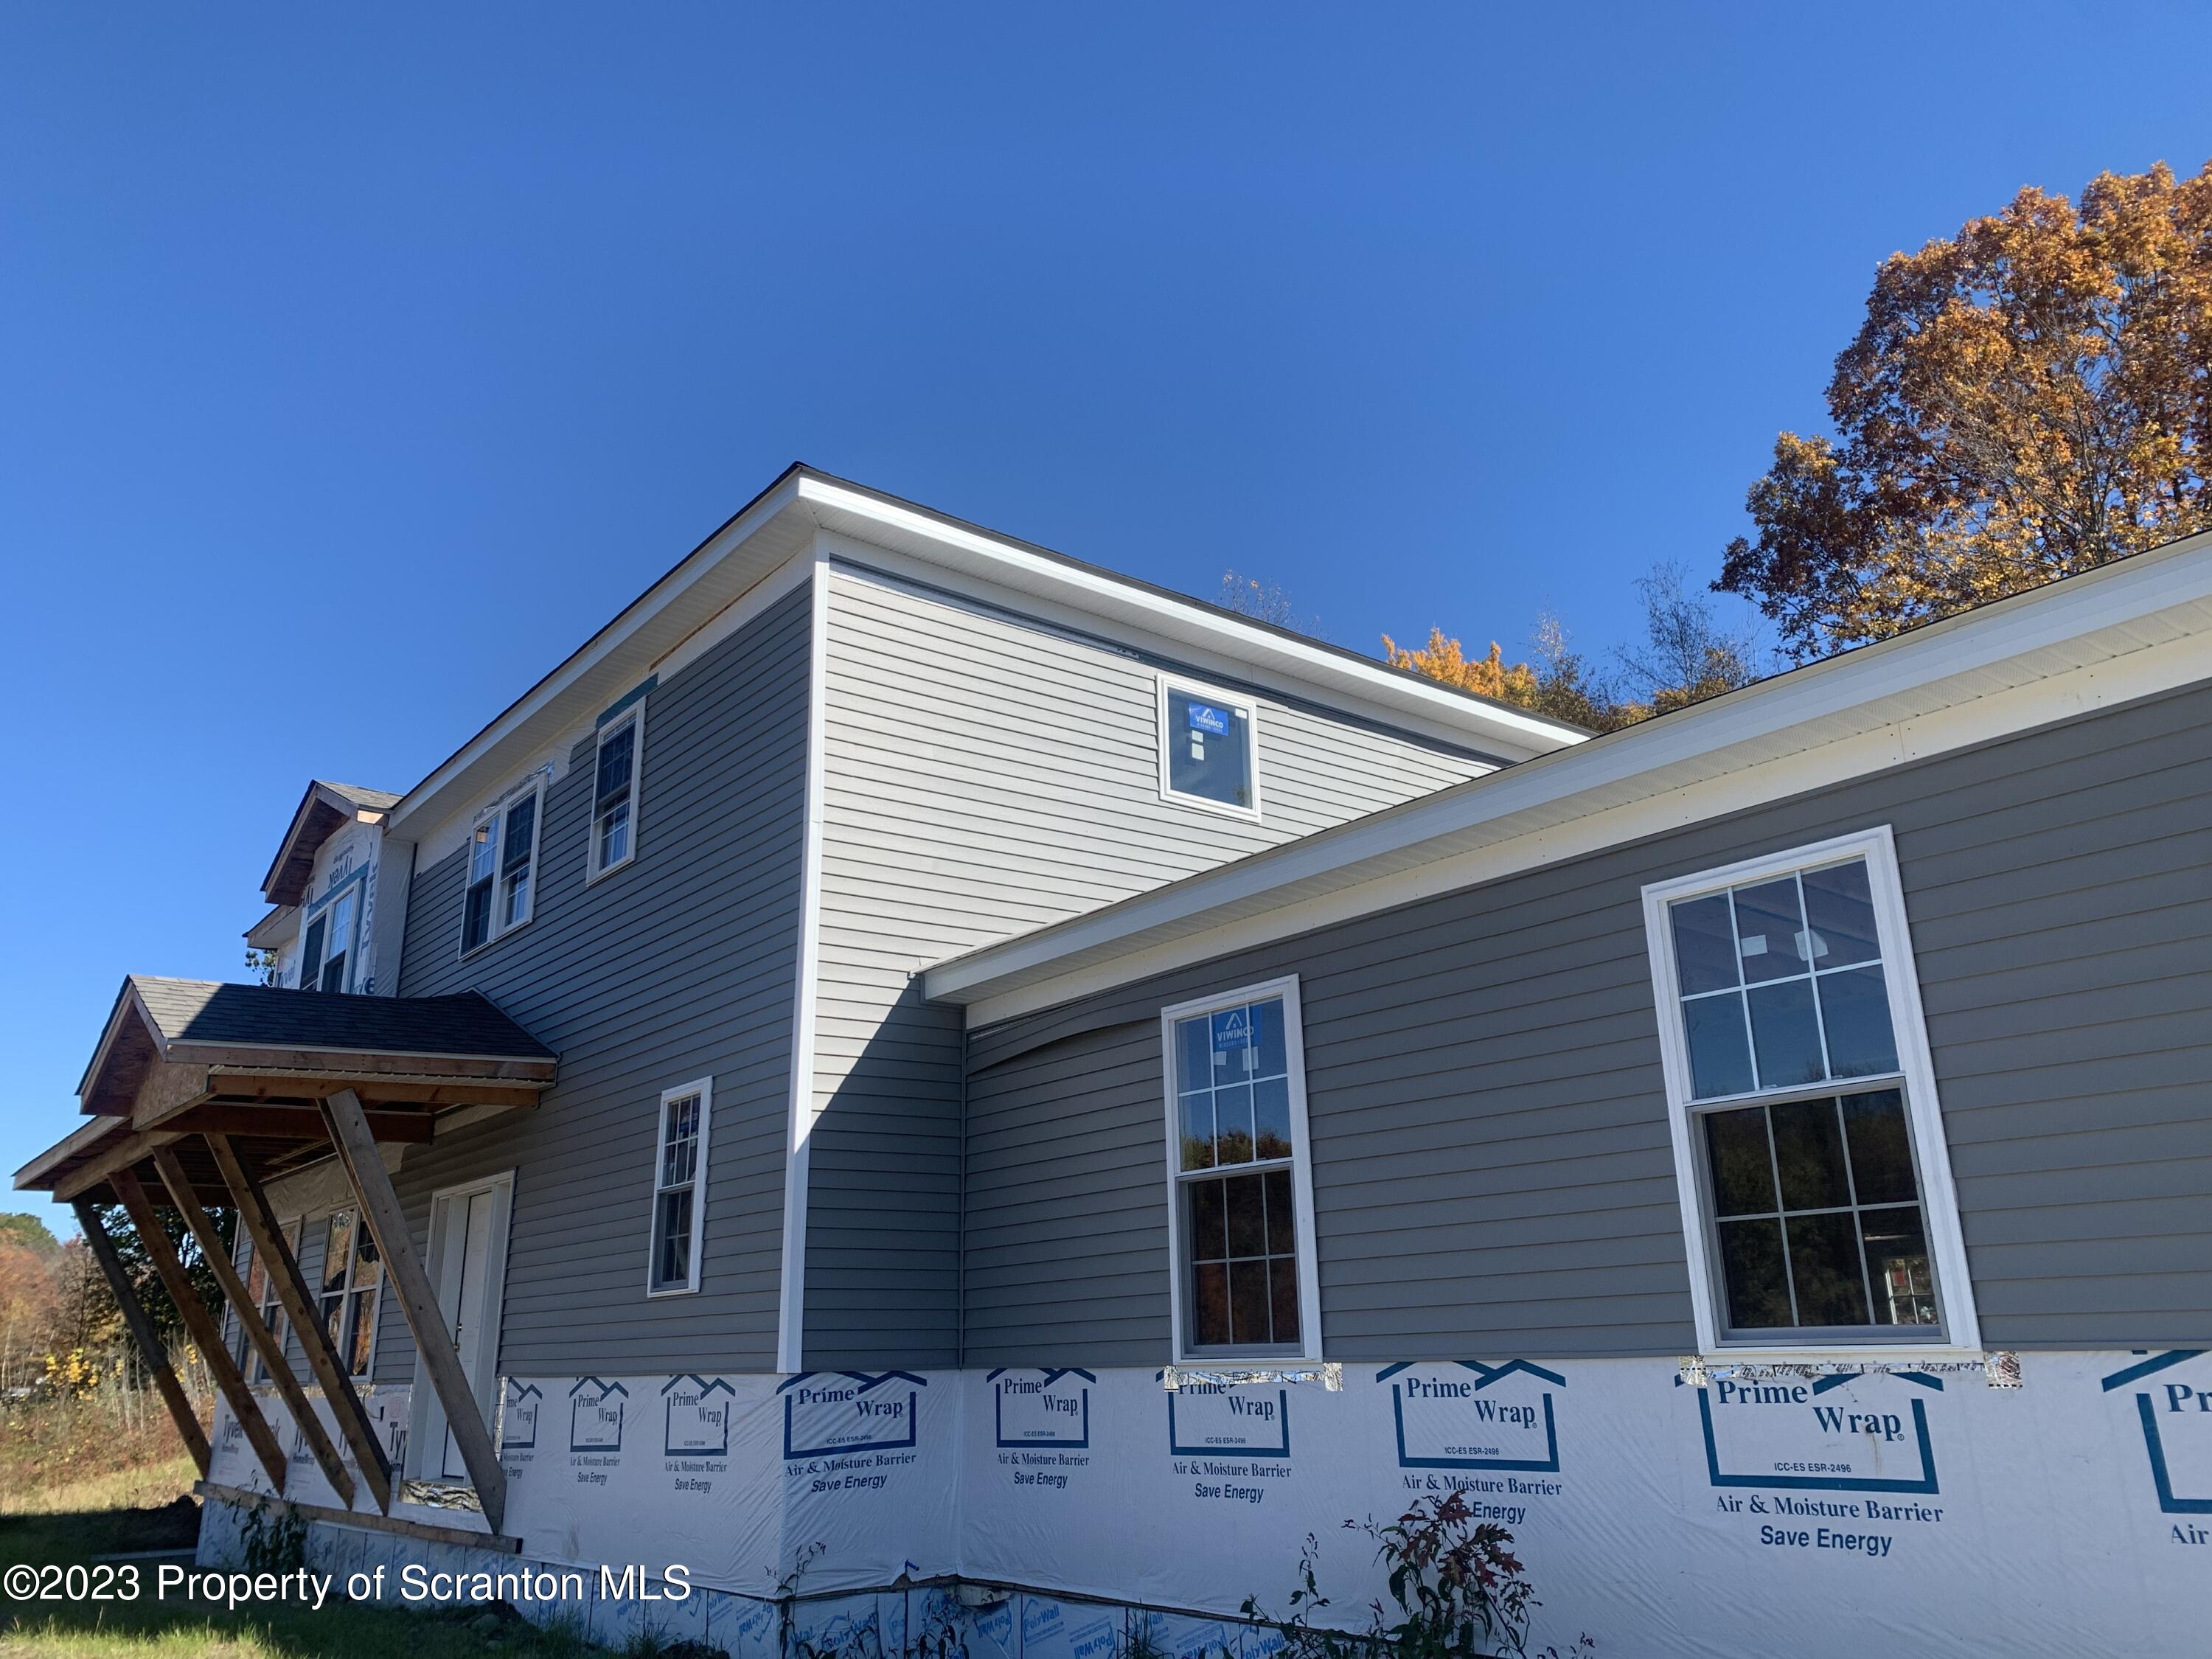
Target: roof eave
2110 598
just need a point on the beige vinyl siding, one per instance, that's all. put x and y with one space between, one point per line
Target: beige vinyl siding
984 775
1492 1166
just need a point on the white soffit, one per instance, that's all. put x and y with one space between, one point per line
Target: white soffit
2130 629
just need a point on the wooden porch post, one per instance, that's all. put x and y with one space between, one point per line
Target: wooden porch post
263 1340
206 1334
434 1343
141 1332
298 1301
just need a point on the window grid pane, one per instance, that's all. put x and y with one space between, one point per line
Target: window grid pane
1803 1243
1238 1218
1796 1007
1242 1235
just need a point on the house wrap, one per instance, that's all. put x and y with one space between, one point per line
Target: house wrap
932 1086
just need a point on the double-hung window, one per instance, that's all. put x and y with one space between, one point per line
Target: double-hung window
502 856
1816 1189
328 943
1240 1196
1209 747
614 790
351 1277
680 1182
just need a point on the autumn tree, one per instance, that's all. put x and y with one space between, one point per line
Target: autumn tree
2026 399
1685 655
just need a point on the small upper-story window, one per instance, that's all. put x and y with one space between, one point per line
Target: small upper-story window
1815 1183
614 790
679 1209
1209 747
1240 1200
328 944
502 857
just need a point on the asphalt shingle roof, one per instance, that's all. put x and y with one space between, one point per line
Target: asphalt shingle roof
265 1015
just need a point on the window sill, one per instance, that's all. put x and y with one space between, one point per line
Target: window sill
619 864
478 949
1250 814
1892 1354
652 1295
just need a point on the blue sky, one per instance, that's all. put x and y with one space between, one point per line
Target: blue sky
355 367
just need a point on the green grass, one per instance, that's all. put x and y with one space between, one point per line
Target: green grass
151 1629
144 1486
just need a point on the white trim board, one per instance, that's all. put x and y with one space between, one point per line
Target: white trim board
2130 630
791 1302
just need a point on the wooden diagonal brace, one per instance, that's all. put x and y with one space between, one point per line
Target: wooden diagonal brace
264 1340
298 1301
141 1332
434 1343
200 1324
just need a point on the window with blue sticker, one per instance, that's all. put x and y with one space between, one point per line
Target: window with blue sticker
1206 749
1237 1178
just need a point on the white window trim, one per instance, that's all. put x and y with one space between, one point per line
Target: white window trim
322 1224
1939 1201
1294 1059
495 932
632 716
1163 684
704 1088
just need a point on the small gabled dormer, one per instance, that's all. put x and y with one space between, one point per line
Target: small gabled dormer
322 885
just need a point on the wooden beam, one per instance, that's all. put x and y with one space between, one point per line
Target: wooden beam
200 1324
224 1117
434 1343
141 1332
130 1150
301 1090
264 1340
421 1531
349 1067
298 1301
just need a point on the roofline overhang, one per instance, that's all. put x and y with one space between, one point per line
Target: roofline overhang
318 793
82 1140
568 692
2100 616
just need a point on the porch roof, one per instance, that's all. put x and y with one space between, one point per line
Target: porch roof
179 1058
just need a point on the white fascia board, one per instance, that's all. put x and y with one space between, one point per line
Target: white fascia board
651 626
1101 593
2128 630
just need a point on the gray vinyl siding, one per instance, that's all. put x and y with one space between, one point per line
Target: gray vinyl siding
942 833
1492 1168
679 966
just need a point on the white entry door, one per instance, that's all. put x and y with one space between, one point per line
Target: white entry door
467 1265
